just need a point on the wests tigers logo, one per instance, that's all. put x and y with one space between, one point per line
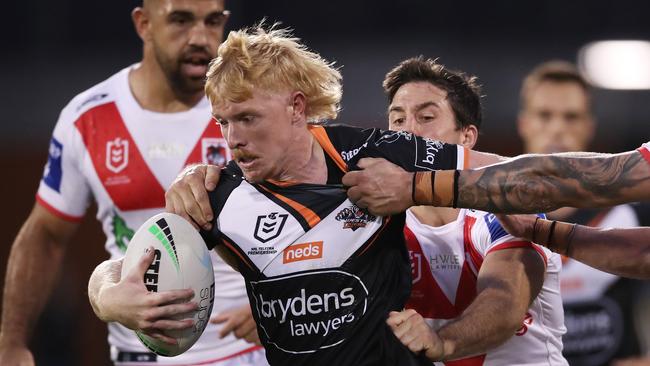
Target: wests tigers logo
353 217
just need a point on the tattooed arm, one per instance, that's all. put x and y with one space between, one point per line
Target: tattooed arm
541 183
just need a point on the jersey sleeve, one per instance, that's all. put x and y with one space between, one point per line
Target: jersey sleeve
230 178
64 190
645 151
411 152
488 235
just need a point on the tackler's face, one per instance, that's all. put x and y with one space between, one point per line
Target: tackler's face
423 109
259 132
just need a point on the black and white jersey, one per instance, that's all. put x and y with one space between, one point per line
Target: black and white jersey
321 273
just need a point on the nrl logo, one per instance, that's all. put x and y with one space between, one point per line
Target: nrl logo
353 217
269 226
117 155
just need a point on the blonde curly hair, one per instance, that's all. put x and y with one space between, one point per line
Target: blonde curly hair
273 60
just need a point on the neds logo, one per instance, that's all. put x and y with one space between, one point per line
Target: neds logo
304 251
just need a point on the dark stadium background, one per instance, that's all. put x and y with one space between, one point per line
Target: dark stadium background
52 50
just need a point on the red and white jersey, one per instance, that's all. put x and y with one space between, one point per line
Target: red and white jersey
106 147
645 151
446 261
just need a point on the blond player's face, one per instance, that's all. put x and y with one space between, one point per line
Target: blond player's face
185 35
259 132
556 118
423 109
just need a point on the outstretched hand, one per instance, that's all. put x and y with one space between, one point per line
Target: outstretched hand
380 186
188 194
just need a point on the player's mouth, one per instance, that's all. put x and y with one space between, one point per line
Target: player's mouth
245 160
195 66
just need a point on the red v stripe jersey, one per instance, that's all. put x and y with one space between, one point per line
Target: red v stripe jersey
445 263
106 147
322 274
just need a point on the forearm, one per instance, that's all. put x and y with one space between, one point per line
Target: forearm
478 329
105 275
541 183
624 252
32 271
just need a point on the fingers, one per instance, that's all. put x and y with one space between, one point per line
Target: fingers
253 337
167 324
368 162
351 179
161 337
246 328
143 264
171 310
174 204
354 194
228 326
204 209
171 296
188 202
212 175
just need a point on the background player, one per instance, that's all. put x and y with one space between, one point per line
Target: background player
465 266
556 116
121 143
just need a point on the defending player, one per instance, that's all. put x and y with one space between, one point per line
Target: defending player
121 143
466 268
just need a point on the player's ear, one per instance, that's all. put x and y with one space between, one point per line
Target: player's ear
299 106
141 22
469 136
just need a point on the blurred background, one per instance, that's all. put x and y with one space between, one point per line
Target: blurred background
56 49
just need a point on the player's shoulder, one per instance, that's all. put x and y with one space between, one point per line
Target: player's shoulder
485 223
99 94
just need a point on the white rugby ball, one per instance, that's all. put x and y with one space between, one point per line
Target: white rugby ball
181 260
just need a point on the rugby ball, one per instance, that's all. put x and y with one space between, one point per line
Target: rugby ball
181 260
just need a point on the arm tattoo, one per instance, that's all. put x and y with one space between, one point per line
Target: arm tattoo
542 183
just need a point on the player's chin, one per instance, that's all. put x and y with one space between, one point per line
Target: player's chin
253 176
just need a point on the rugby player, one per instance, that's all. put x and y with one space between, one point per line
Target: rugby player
321 273
121 143
466 268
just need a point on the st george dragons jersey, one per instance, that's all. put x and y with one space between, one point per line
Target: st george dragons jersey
446 261
321 273
645 151
107 148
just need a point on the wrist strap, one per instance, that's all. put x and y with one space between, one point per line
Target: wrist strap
435 188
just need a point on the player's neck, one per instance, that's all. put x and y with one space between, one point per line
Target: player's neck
435 216
305 161
153 91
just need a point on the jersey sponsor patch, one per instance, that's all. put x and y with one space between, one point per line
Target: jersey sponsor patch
302 252
425 153
305 312
496 230
53 169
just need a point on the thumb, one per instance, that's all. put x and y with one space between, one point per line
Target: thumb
143 264
367 162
